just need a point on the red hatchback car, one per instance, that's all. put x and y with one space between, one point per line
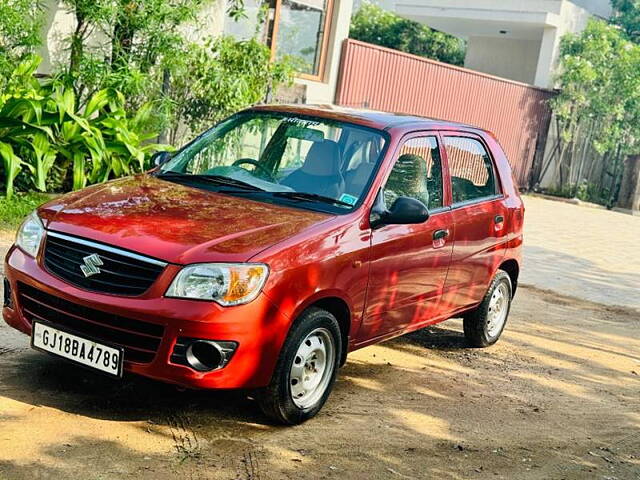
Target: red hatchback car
269 247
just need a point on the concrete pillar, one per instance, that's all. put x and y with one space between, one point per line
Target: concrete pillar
629 197
547 58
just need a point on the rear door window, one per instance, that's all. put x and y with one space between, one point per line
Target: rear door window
472 172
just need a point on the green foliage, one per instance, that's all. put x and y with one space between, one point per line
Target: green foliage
599 83
627 16
139 33
372 24
43 128
585 191
598 104
14 209
150 60
20 22
212 81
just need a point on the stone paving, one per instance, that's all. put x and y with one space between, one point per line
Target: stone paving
582 252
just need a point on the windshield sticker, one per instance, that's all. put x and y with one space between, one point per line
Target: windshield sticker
350 199
301 122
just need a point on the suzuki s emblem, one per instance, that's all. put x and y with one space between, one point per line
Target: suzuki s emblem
91 264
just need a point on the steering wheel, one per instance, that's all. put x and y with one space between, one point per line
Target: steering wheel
269 176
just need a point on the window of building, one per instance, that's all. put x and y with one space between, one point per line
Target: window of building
471 167
417 173
294 28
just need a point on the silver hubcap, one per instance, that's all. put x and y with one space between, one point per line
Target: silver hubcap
312 368
498 309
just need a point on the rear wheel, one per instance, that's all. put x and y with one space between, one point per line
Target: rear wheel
306 371
484 325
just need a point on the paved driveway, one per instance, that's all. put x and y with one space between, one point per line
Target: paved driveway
582 252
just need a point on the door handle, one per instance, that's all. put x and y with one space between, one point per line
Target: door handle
498 219
440 235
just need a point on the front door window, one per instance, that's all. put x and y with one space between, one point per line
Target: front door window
417 173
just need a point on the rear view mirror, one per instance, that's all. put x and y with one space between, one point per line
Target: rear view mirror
404 211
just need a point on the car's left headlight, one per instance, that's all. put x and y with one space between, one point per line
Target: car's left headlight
30 234
226 283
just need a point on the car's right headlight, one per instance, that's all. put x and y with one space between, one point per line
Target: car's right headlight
226 283
30 234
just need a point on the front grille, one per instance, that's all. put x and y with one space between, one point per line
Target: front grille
120 272
140 340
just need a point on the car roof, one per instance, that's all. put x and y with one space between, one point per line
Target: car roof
370 118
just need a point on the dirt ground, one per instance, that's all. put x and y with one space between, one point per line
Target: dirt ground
556 398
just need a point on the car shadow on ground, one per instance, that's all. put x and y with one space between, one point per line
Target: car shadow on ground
44 380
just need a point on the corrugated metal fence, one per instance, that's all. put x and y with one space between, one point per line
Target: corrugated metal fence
383 79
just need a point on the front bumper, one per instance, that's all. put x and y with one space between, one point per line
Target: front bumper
258 327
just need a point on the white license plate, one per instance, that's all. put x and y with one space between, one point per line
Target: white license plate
81 350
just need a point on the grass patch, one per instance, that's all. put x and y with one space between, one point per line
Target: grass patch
13 211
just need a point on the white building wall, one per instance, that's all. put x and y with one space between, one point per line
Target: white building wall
503 35
600 8
58 24
510 58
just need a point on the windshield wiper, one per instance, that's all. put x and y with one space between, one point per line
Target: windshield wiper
312 197
216 179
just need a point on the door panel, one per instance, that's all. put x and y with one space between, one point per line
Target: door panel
407 273
478 250
409 263
479 215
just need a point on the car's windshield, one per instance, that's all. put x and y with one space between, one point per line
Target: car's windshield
283 158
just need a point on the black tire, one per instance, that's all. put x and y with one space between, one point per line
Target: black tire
476 322
276 400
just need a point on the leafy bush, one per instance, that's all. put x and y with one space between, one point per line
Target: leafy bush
374 25
20 22
95 118
149 58
598 106
42 129
210 82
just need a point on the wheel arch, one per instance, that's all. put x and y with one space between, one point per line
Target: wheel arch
339 307
512 267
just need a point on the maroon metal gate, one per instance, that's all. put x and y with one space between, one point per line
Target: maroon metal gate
384 79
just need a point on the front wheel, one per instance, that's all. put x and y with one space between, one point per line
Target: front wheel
306 371
484 325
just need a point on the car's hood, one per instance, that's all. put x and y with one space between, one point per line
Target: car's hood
173 222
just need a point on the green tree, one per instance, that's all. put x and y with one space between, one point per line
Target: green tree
148 58
599 99
374 25
627 16
212 81
20 22
48 142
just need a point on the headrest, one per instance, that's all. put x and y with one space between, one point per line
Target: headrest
409 168
323 159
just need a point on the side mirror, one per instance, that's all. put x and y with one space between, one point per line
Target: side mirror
407 210
404 211
159 158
